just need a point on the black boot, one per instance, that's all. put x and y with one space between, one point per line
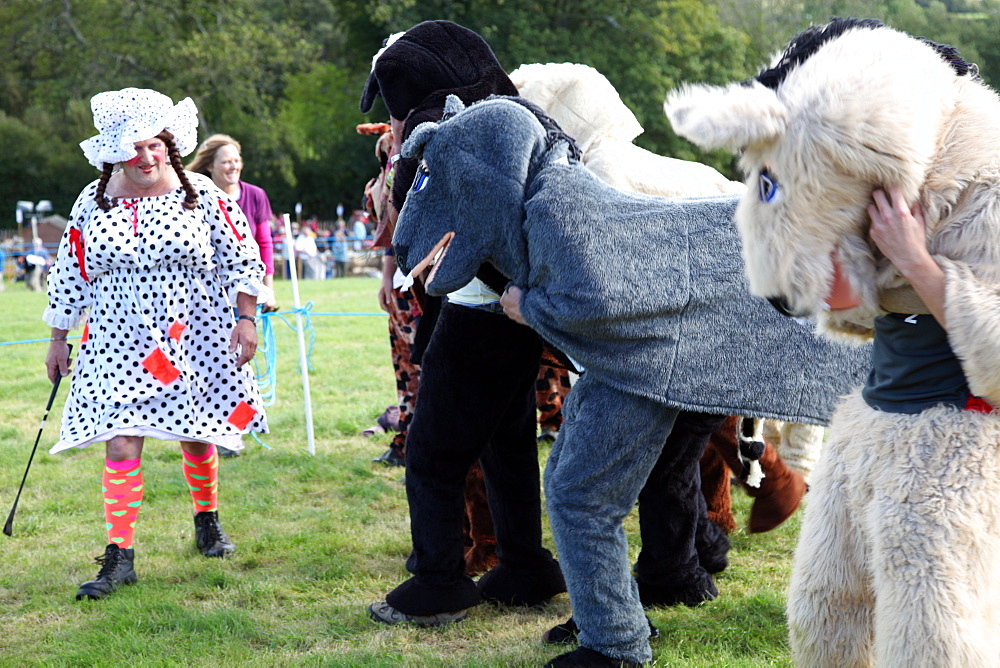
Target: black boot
525 587
116 570
211 539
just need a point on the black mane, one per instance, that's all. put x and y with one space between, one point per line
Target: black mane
809 41
553 133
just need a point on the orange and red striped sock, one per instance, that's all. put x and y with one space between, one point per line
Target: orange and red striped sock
202 474
122 487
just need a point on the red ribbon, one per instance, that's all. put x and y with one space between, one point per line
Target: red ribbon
76 241
225 212
134 205
978 404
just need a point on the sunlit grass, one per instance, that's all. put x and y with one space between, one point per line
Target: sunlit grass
319 536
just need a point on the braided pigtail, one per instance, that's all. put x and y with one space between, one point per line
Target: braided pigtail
103 202
191 195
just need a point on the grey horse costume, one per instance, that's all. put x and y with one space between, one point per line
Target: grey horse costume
646 293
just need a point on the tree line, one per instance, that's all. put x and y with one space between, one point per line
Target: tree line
284 77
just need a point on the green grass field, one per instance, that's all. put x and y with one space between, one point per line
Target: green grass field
319 536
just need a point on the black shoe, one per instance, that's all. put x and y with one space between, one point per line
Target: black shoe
391 458
211 539
116 570
525 587
384 613
226 452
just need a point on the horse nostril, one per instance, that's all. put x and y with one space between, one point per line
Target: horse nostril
782 306
400 252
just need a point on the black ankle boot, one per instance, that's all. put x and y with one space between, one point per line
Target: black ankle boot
211 539
116 570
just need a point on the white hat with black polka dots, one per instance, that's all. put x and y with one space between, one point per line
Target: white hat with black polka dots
131 115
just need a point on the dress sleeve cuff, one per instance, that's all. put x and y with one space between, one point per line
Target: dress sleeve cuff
250 286
57 316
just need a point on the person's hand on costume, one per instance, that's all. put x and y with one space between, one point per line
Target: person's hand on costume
57 360
511 303
899 231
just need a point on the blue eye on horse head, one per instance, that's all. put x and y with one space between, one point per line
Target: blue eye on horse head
422 177
767 187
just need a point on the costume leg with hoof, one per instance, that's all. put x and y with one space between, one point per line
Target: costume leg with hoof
678 552
780 492
608 445
477 372
799 444
527 574
716 487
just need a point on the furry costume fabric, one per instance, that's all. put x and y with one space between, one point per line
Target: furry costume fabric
897 563
673 518
798 444
688 337
716 487
588 108
779 493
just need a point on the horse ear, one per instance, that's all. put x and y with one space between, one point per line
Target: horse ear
732 117
452 105
413 147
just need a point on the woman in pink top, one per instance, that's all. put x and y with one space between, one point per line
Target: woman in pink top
220 158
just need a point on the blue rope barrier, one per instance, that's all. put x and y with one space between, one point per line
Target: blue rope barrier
262 315
267 380
307 327
45 340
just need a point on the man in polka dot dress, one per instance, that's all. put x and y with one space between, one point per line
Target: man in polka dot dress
161 265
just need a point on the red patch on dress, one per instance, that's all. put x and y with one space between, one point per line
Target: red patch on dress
161 367
176 330
242 415
978 404
86 334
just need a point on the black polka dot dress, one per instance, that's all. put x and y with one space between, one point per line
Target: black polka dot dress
157 284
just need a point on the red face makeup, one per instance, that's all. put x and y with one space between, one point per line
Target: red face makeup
150 165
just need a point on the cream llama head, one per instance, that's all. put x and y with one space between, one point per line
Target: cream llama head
850 107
